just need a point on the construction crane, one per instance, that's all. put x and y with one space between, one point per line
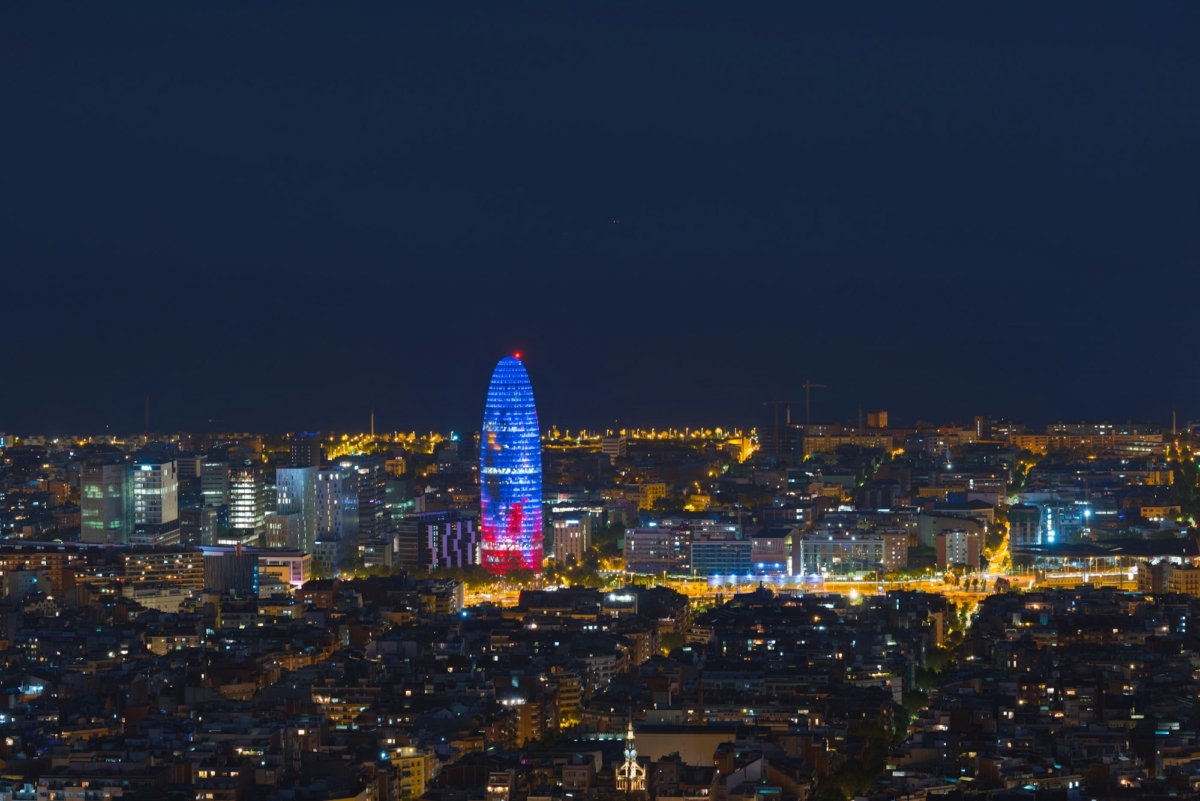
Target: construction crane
776 403
808 388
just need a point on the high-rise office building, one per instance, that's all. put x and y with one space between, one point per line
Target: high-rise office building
779 437
189 465
960 547
105 503
155 502
510 472
1024 524
407 542
247 505
305 450
400 499
452 542
843 553
214 482
214 493
659 549
283 529
615 447
198 525
231 571
431 540
296 493
337 513
373 515
572 540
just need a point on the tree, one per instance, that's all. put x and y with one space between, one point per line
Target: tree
584 576
473 576
939 660
667 503
901 718
520 576
1026 461
755 497
996 533
671 640
915 700
606 540
857 775
907 574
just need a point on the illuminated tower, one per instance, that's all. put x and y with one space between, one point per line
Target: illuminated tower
631 777
247 505
510 472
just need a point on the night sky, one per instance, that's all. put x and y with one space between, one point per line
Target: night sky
278 216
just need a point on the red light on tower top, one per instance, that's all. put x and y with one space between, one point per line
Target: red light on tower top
517 355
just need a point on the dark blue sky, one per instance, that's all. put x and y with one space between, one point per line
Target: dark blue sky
281 215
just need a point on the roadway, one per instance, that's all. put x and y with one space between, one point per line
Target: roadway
703 591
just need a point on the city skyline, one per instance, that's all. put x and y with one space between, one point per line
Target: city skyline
483 401
754 414
739 409
551 432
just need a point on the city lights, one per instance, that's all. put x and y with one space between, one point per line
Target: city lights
510 473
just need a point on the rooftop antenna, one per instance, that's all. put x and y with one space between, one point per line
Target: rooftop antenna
372 424
147 423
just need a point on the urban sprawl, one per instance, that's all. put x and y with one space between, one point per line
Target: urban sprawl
790 611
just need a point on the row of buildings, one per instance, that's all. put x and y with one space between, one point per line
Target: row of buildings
388 688
1083 693
355 510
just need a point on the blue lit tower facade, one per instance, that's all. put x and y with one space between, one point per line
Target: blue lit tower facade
510 472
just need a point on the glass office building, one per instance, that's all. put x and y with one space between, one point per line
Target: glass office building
106 503
510 472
